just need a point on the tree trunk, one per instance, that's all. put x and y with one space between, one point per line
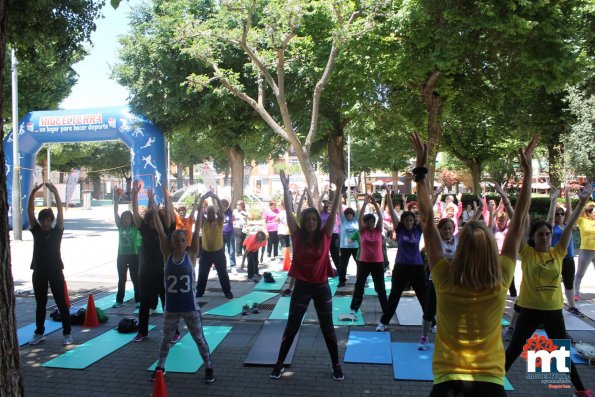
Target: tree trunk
11 381
235 155
180 175
395 177
555 151
97 187
475 166
433 103
308 170
336 155
191 174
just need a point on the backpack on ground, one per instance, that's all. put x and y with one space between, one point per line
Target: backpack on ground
268 277
128 325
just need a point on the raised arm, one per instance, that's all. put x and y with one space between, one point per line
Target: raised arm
431 235
163 241
554 193
515 234
298 209
583 198
31 206
325 193
60 214
391 209
568 211
135 215
477 209
332 218
291 222
505 200
380 222
116 214
169 214
221 211
195 246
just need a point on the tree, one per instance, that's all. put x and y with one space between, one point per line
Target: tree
33 24
580 157
269 33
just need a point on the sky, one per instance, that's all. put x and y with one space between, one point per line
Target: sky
94 87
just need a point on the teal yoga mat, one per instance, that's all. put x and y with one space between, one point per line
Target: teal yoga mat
107 301
92 351
368 347
370 291
341 307
281 310
24 334
184 356
234 307
507 385
334 284
279 277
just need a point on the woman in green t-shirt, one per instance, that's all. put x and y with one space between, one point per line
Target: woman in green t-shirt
128 242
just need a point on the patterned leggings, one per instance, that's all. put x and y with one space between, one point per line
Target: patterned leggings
194 323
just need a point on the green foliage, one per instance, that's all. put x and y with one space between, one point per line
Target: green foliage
579 151
105 158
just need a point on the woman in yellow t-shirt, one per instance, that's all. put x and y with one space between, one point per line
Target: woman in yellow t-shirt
586 255
470 291
540 298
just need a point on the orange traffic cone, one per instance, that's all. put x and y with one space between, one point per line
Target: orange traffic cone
286 260
66 295
159 389
91 319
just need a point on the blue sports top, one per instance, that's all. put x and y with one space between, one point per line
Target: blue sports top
180 290
556 234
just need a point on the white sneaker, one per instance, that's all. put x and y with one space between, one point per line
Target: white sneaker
353 312
36 339
68 340
423 343
434 329
381 327
234 270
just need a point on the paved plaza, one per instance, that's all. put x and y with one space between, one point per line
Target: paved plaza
89 250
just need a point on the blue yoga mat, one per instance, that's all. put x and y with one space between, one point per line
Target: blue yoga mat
341 307
234 307
576 359
281 310
279 277
368 347
507 385
24 334
410 363
92 351
334 284
184 356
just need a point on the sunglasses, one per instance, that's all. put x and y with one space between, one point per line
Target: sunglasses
559 214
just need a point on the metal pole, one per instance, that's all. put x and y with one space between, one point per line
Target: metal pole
17 222
48 195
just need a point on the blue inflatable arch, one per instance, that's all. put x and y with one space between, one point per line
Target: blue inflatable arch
146 143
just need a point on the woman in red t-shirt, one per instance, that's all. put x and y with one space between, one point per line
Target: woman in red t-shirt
311 268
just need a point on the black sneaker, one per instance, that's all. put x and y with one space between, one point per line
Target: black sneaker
277 371
229 295
154 374
209 376
245 310
575 311
255 308
287 292
338 372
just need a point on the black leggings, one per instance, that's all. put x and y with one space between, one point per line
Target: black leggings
152 287
273 244
303 292
346 254
335 250
527 323
465 388
363 270
430 308
568 269
55 278
403 274
124 263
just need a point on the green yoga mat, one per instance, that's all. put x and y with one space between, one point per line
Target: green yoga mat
108 301
279 277
234 307
341 307
370 291
281 310
184 355
93 350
